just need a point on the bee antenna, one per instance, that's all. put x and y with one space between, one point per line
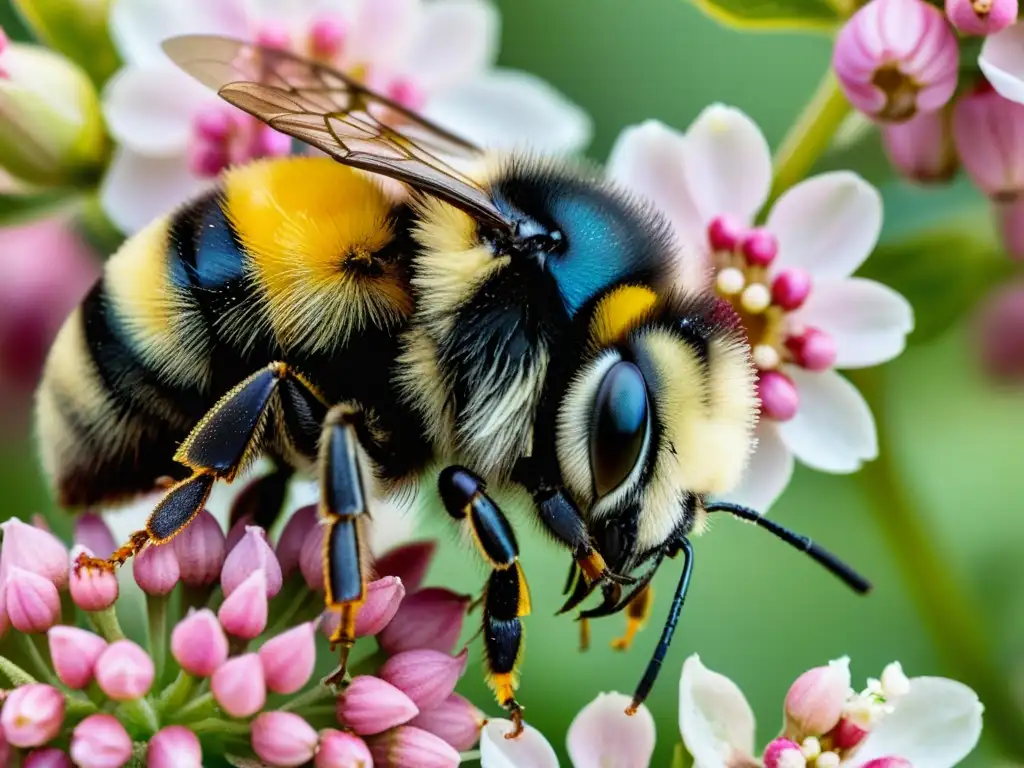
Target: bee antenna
845 573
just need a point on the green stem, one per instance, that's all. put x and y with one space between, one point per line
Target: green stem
38 661
300 600
156 614
107 625
312 696
199 705
213 725
177 693
958 631
810 135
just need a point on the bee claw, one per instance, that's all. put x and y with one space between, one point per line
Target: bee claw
516 713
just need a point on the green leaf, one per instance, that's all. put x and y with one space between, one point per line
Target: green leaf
777 14
14 673
22 209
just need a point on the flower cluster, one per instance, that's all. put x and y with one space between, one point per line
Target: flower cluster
789 280
237 673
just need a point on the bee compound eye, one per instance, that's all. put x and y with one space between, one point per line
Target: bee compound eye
619 427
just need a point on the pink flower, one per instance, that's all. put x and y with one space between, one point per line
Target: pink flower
124 671
529 749
289 658
370 705
895 58
94 534
710 183
32 715
198 643
427 677
34 550
383 598
92 589
783 753
815 701
603 734
156 569
922 148
46 758
455 720
409 562
32 602
74 653
1002 61
100 741
239 687
200 549
311 559
407 745
174 747
298 528
981 17
342 750
1000 333
283 739
244 612
987 129
251 554
430 618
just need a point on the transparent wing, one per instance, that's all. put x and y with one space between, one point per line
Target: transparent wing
332 112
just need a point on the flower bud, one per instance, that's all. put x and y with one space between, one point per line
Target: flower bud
783 753
922 149
408 562
827 760
311 559
200 548
34 550
174 747
894 681
32 715
252 553
426 677
725 233
124 671
888 762
1010 218
383 598
239 687
759 247
48 757
100 741
244 612
298 528
999 330
895 58
984 130
236 531
430 618
790 288
92 589
847 735
981 17
815 701
76 28
156 569
74 653
49 105
778 395
94 534
198 643
455 720
283 738
342 750
408 745
369 705
814 349
32 602
289 658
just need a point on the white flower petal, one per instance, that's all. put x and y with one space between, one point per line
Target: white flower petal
728 163
383 30
827 225
1002 61
456 40
506 108
137 27
768 472
648 159
935 725
530 750
714 717
150 109
137 189
833 430
869 321
602 735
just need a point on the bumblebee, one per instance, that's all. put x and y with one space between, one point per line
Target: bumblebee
508 323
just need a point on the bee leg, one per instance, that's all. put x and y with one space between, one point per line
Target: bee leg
221 444
506 596
638 610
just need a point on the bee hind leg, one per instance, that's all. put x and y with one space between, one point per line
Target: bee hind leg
506 597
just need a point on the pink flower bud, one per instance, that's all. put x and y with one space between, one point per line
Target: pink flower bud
283 738
206 160
790 288
895 58
251 554
342 750
981 17
725 233
408 562
311 559
32 715
922 148
48 757
408 745
760 247
200 549
814 349
888 762
407 93
847 735
74 653
1000 333
239 687
33 604
213 123
298 528
783 753
271 35
35 550
326 36
370 705
236 531
94 534
1010 216
815 701
289 658
455 720
100 741
174 747
244 612
270 143
156 569
383 598
430 618
198 643
426 677
124 671
987 130
778 395
92 589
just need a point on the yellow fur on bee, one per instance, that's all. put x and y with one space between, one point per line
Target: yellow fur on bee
618 312
311 226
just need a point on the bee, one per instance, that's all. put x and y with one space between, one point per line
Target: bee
510 322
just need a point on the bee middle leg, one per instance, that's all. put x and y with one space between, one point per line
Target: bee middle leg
506 596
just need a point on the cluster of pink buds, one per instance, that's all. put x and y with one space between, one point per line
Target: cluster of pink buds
224 136
764 297
237 661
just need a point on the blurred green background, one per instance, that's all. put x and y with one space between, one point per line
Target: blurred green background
758 611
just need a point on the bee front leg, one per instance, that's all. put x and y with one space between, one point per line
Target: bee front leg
506 596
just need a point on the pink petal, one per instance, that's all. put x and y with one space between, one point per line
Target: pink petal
1002 61
834 430
138 189
728 164
383 30
456 40
827 225
530 750
768 471
714 717
602 734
